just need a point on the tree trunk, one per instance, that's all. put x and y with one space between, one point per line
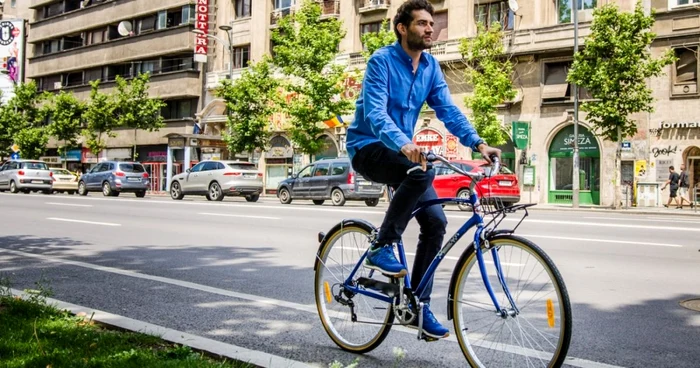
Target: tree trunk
617 204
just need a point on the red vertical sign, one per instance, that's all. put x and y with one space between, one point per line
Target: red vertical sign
201 23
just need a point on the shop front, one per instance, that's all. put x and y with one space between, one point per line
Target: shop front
279 162
155 160
561 153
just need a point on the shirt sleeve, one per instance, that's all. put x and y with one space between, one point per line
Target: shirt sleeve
375 90
440 100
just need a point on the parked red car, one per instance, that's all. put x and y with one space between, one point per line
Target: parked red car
449 184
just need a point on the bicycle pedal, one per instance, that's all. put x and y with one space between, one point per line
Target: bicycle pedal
427 338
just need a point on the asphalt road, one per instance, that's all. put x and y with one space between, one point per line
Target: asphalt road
242 273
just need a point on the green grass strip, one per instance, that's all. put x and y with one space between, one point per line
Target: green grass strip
33 334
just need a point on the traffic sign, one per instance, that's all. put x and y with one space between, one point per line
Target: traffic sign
14 156
15 148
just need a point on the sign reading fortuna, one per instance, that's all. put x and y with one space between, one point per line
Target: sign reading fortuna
667 125
201 23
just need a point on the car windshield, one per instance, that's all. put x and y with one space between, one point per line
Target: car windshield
35 166
242 166
61 172
132 168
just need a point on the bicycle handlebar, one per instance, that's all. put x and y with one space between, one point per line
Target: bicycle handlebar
432 157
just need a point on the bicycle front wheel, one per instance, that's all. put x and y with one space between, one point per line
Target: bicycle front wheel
334 264
538 334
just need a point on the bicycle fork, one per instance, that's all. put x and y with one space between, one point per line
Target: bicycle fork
478 248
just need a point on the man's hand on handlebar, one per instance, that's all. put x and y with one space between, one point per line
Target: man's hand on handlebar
415 154
487 152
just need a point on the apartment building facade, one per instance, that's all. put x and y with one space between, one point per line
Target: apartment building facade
74 42
540 39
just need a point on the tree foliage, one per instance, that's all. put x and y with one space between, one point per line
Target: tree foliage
614 65
250 101
67 119
101 118
23 120
305 47
373 41
489 71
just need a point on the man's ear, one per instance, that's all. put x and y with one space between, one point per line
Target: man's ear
402 29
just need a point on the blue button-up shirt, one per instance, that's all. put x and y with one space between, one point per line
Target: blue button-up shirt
392 97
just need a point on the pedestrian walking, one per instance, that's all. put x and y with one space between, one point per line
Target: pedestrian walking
673 179
683 187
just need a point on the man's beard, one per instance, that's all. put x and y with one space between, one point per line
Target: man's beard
416 42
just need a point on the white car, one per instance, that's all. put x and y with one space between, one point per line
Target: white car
64 181
217 179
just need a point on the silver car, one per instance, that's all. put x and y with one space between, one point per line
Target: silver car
25 176
216 179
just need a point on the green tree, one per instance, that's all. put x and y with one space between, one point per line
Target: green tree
614 66
305 48
67 120
373 41
489 71
23 120
250 101
101 118
136 109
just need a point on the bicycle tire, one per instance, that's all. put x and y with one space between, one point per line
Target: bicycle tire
373 339
561 304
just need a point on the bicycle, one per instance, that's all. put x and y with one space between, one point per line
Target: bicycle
358 306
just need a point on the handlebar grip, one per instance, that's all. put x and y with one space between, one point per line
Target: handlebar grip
496 165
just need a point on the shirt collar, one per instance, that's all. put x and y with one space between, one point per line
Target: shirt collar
401 53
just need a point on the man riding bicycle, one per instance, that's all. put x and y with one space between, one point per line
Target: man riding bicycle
399 79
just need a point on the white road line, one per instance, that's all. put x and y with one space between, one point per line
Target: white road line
599 240
644 219
82 222
258 358
257 300
69 204
602 224
242 216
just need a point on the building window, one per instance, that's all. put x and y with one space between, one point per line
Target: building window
50 46
123 70
71 42
685 73
440 27
188 14
284 4
97 36
93 74
679 3
556 88
241 57
179 109
564 12
147 24
242 8
177 63
497 12
73 79
50 83
373 27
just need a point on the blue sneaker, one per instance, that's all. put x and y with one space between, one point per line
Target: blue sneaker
431 326
383 260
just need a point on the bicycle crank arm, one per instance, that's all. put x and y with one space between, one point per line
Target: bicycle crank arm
385 288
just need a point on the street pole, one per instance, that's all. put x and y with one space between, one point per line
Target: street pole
227 29
576 183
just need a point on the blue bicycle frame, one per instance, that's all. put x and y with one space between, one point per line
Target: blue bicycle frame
475 220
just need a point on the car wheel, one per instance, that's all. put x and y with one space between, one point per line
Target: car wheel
82 189
372 202
215 192
285 196
252 197
13 187
140 194
107 190
318 202
337 197
176 191
464 193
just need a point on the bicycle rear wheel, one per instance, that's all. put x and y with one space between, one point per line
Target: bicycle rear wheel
334 263
539 335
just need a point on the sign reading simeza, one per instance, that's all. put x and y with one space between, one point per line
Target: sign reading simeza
563 143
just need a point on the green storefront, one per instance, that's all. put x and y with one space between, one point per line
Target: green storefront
561 153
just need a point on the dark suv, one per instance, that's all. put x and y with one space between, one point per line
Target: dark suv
332 179
114 177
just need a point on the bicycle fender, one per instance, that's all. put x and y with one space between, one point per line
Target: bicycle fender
323 238
460 263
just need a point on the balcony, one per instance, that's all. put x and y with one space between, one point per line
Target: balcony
370 6
329 8
278 14
167 41
214 78
33 4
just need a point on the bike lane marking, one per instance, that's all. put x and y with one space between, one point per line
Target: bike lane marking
82 221
260 300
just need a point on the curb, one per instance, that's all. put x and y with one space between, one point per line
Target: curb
621 211
257 358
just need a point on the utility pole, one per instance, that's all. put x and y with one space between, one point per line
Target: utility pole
576 184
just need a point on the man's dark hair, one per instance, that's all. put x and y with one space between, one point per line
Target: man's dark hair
671 168
405 13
